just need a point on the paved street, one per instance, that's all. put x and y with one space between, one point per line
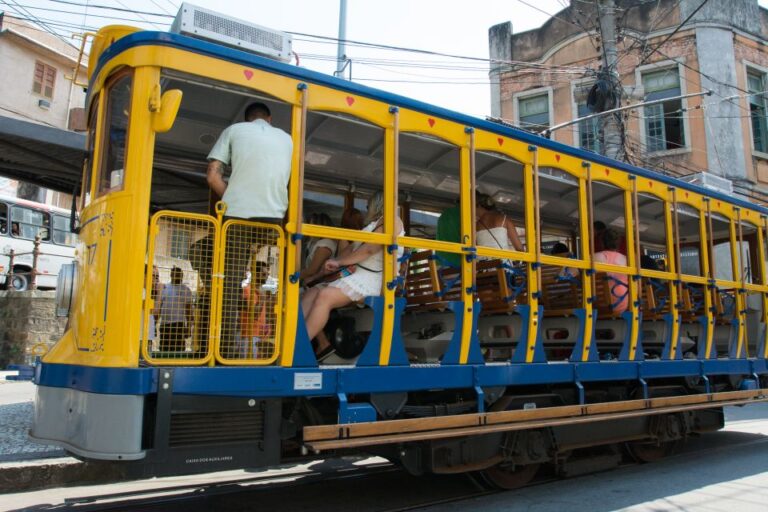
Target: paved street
722 472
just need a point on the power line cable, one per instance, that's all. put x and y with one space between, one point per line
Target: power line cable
113 8
140 15
48 9
686 20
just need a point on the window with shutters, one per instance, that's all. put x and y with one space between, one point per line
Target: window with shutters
663 121
533 112
757 112
44 80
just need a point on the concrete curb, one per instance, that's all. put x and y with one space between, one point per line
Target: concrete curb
44 473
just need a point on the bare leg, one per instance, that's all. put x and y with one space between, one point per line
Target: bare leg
308 300
329 298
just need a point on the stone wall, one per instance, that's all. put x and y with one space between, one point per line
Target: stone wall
26 320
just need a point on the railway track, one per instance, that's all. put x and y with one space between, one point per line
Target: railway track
373 486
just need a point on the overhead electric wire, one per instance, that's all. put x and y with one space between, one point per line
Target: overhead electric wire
139 15
102 16
35 19
113 8
686 20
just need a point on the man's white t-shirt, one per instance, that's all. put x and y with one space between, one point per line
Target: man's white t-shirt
260 157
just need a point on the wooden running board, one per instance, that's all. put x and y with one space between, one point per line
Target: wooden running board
356 435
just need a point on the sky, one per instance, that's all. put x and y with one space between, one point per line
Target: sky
454 27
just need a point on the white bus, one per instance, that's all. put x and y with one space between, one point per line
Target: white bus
20 222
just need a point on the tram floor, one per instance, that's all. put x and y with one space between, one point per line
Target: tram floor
723 471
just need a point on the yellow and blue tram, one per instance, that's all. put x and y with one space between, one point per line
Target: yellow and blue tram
489 362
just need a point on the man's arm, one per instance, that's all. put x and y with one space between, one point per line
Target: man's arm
215 177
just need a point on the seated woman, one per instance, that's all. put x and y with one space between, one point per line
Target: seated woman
350 219
318 251
494 229
365 280
617 282
561 250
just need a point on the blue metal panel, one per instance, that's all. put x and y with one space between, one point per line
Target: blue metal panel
372 350
453 352
110 381
276 381
627 343
538 347
578 349
251 60
303 355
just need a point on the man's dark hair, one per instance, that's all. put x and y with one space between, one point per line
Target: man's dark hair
610 241
257 110
559 248
599 225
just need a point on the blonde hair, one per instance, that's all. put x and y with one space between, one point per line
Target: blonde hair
375 207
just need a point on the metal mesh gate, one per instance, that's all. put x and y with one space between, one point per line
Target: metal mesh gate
251 295
179 289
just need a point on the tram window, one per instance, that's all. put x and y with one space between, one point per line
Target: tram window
653 229
61 232
690 240
559 204
340 150
608 208
115 136
749 253
429 171
88 161
722 263
28 224
502 178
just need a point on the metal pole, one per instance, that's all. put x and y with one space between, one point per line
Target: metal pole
342 49
612 142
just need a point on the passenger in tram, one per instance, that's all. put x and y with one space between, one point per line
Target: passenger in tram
256 320
561 250
494 229
318 251
351 218
360 270
617 282
176 316
599 229
260 157
449 230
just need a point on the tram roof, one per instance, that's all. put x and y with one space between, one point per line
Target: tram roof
44 155
145 38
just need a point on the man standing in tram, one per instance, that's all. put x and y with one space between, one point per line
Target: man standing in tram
260 157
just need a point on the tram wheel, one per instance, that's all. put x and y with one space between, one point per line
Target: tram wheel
650 451
506 476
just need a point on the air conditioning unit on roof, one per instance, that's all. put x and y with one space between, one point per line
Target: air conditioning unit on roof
201 23
710 181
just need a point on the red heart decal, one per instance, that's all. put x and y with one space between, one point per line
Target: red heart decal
557 157
650 184
607 171
350 100
431 122
500 141
248 74
686 194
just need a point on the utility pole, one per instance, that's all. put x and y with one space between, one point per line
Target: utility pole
613 146
341 57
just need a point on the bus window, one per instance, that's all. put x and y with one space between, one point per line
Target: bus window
61 233
113 144
608 208
27 223
3 219
653 231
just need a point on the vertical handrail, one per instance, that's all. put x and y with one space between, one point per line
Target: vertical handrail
35 259
591 232
679 259
293 257
537 218
638 249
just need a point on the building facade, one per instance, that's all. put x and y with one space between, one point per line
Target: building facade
35 86
666 49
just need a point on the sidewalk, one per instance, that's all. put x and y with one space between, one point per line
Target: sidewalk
25 465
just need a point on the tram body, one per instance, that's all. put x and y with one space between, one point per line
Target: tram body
447 367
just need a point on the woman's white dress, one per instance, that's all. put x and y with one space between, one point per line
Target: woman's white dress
365 281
